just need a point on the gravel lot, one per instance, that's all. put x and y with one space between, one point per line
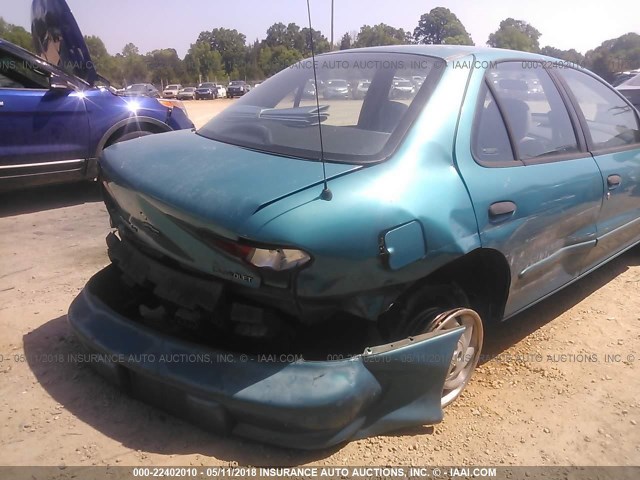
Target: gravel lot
545 394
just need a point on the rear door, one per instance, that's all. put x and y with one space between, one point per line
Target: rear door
535 188
612 130
42 130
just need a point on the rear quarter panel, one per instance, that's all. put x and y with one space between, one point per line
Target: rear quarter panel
419 182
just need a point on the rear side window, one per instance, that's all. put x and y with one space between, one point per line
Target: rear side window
491 140
534 110
611 122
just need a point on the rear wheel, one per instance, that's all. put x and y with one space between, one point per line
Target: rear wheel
437 309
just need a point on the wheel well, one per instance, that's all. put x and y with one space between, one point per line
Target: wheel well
132 127
484 276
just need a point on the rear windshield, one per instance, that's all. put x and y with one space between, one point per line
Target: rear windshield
207 85
358 125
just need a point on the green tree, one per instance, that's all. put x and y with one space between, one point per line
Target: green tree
203 64
294 37
15 34
230 44
346 41
615 55
273 60
380 34
515 35
252 70
291 36
133 66
130 50
320 42
164 66
277 35
571 55
441 26
104 63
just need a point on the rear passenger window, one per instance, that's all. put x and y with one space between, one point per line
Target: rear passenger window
611 122
491 141
534 110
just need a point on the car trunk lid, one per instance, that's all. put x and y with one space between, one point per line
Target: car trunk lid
176 190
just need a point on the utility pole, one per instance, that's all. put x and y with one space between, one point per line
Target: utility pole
331 24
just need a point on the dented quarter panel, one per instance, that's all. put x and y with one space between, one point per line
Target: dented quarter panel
547 240
419 183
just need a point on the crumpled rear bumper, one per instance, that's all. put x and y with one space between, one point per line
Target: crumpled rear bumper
299 404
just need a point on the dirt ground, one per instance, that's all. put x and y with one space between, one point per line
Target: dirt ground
558 385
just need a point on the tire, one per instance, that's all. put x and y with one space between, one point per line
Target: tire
435 308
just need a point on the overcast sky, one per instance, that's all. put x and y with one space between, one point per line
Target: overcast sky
152 24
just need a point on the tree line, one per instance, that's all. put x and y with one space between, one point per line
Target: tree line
224 54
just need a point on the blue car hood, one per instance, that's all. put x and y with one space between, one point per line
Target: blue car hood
210 180
58 39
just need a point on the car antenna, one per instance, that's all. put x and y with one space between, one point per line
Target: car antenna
326 193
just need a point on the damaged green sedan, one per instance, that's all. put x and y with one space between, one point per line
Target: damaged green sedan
322 268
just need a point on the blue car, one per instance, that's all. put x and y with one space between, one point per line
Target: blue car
56 119
306 271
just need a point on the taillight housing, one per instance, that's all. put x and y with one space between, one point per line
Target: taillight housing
278 259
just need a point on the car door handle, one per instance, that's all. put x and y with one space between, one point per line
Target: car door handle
614 181
1 103
500 211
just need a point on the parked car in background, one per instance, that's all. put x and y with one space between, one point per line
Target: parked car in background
207 90
402 88
335 88
630 88
171 91
237 88
56 122
363 244
221 90
621 77
141 90
360 89
309 90
187 93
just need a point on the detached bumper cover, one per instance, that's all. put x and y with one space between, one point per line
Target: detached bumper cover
299 404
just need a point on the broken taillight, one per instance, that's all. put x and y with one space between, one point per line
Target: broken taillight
277 259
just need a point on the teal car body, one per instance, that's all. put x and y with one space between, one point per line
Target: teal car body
481 198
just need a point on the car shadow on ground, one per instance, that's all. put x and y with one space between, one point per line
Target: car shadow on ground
50 351
500 337
53 354
48 197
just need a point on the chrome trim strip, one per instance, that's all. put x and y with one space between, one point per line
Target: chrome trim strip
43 164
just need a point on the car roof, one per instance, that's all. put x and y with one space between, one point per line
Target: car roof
450 52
